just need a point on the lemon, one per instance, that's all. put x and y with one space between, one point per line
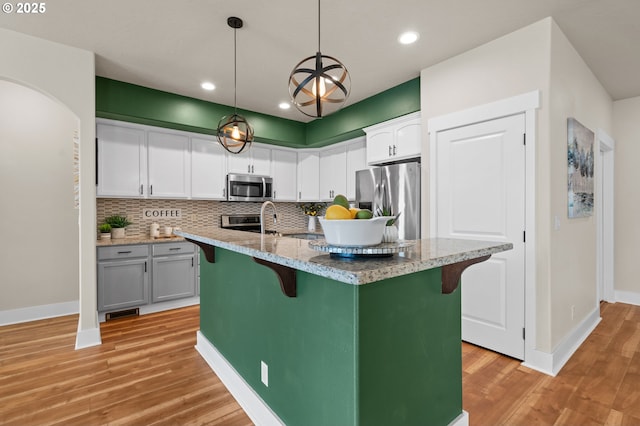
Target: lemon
354 211
341 200
336 211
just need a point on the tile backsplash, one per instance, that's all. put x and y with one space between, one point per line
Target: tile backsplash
194 214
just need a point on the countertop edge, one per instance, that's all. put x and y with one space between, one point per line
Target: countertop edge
343 275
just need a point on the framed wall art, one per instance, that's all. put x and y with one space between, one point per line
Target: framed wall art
580 162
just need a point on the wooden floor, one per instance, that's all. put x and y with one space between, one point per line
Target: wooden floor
600 385
147 372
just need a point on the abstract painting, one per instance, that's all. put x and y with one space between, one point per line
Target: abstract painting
580 161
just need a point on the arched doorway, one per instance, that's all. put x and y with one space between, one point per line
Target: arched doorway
38 209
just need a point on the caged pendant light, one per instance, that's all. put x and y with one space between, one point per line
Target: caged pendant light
319 85
234 132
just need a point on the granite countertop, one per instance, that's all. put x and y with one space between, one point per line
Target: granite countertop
137 240
295 253
175 238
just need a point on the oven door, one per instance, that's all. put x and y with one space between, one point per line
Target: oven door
248 187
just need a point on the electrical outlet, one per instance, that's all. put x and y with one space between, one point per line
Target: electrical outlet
573 311
264 373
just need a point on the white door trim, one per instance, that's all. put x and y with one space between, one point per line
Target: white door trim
605 222
525 103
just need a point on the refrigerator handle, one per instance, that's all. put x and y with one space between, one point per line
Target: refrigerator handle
377 197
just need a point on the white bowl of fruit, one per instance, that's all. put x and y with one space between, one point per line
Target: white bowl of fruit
351 227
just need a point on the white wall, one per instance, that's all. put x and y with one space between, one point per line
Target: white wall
574 92
626 132
66 75
537 57
40 224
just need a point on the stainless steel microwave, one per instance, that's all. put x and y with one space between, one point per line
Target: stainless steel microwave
249 187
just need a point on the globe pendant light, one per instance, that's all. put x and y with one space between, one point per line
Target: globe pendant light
319 85
234 132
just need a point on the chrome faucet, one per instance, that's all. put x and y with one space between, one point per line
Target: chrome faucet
275 215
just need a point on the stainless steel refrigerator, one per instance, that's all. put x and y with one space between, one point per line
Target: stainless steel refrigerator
396 186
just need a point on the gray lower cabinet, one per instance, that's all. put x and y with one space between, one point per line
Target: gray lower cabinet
138 274
174 271
123 277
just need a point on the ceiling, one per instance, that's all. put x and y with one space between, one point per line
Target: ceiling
175 45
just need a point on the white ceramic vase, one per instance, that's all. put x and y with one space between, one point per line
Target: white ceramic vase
390 234
312 224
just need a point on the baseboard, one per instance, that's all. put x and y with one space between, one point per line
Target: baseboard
461 420
162 306
89 337
629 297
251 403
552 363
34 313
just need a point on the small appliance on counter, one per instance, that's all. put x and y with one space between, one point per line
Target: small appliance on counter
249 187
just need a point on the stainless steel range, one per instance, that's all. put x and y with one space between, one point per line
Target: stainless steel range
241 222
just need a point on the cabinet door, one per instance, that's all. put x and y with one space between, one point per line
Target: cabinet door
333 173
356 160
379 146
121 161
261 161
284 165
122 284
308 176
239 163
208 169
255 161
407 141
169 171
174 277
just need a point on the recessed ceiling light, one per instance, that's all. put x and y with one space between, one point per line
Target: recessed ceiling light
208 85
284 105
408 37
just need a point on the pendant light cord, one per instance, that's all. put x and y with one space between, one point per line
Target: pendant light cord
318 25
235 72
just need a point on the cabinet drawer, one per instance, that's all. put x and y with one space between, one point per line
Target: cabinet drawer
123 252
165 249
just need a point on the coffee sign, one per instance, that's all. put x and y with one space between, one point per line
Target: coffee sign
162 213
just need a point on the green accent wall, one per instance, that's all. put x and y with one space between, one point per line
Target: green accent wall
348 122
137 104
128 102
384 353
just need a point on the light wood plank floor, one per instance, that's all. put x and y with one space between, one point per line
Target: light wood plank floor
147 372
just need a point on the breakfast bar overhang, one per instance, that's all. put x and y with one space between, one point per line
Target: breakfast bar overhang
303 338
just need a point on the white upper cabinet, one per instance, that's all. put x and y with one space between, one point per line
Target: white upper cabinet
308 175
168 165
356 160
394 140
122 157
333 172
208 169
284 165
255 161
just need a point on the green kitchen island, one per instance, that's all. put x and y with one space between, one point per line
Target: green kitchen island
300 337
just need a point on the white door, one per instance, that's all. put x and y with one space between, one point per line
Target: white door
480 194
